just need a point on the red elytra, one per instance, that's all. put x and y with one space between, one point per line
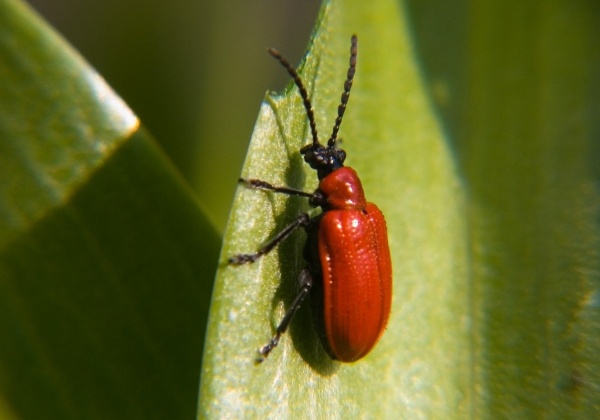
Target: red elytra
349 272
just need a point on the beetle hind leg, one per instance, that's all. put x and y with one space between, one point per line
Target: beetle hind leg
306 282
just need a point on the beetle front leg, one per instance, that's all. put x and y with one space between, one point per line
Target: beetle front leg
259 184
306 281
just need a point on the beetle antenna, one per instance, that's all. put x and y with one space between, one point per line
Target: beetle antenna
346 94
307 104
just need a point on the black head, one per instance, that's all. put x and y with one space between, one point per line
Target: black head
324 159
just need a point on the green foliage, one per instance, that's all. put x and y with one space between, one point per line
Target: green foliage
106 262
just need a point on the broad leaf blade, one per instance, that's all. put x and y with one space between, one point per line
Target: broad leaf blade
52 135
517 87
106 261
393 141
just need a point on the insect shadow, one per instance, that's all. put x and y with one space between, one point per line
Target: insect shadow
302 331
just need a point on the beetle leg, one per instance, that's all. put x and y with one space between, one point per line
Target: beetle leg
302 220
315 199
265 186
306 282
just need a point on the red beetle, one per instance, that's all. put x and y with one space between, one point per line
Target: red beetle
349 272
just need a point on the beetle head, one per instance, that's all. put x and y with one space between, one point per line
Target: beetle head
323 159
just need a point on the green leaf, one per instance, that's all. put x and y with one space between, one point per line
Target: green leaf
476 133
526 129
106 260
393 141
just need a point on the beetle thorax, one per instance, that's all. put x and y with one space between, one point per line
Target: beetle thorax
342 189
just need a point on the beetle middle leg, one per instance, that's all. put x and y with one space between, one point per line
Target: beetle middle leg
302 220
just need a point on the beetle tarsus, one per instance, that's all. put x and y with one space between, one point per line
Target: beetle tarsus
265 350
241 259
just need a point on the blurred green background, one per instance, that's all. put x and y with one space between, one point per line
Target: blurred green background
195 72
516 88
